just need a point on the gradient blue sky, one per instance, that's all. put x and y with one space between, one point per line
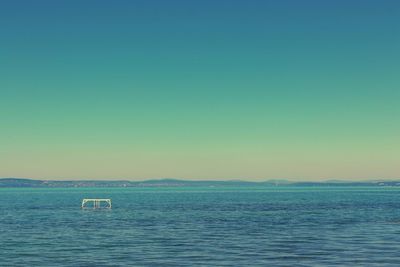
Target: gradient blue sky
305 90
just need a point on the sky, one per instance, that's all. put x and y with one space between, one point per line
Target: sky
210 90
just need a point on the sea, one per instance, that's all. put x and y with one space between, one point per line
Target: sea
201 226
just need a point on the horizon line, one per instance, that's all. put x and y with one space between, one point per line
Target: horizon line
207 180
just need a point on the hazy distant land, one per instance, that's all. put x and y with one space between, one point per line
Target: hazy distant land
22 182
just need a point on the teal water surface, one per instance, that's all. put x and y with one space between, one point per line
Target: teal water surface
193 226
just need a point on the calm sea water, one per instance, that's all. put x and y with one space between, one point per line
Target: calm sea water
243 226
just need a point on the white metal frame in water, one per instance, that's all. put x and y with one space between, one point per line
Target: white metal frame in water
96 202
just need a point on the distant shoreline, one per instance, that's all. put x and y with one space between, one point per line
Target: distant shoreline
33 183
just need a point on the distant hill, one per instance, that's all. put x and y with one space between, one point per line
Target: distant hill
15 182
22 182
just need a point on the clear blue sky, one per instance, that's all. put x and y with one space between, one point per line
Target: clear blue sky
200 89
